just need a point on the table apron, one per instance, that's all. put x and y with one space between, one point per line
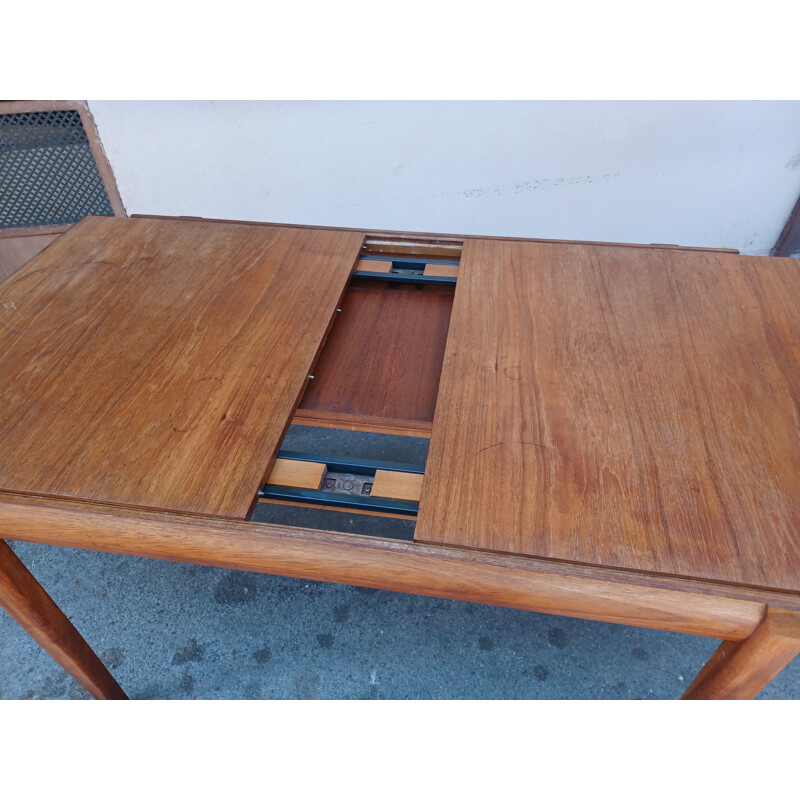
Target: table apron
434 571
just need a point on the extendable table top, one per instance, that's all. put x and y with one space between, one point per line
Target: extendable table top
622 407
143 359
614 429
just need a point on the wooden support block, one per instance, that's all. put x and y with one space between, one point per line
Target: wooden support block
365 265
441 270
299 474
740 670
397 485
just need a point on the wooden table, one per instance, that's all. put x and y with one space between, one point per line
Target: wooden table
614 429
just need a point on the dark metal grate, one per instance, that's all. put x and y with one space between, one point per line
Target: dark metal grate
48 175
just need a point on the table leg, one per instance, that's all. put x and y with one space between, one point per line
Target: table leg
740 670
28 603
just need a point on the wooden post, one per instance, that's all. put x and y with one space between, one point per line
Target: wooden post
789 240
28 603
740 670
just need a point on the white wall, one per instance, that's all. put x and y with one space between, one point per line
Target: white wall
715 174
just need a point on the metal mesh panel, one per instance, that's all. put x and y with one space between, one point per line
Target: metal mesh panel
48 175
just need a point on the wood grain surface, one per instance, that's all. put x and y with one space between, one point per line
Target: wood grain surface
384 354
157 363
635 408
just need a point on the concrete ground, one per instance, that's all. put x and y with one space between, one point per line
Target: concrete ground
176 631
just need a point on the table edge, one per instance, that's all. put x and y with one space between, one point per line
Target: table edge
649 600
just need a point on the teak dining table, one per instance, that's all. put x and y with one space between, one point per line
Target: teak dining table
614 429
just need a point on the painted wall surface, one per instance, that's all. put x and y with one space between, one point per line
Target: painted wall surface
713 174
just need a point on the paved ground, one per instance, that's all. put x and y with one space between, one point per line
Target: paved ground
171 630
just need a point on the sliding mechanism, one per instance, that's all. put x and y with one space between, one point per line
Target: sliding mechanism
405 277
345 483
420 271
